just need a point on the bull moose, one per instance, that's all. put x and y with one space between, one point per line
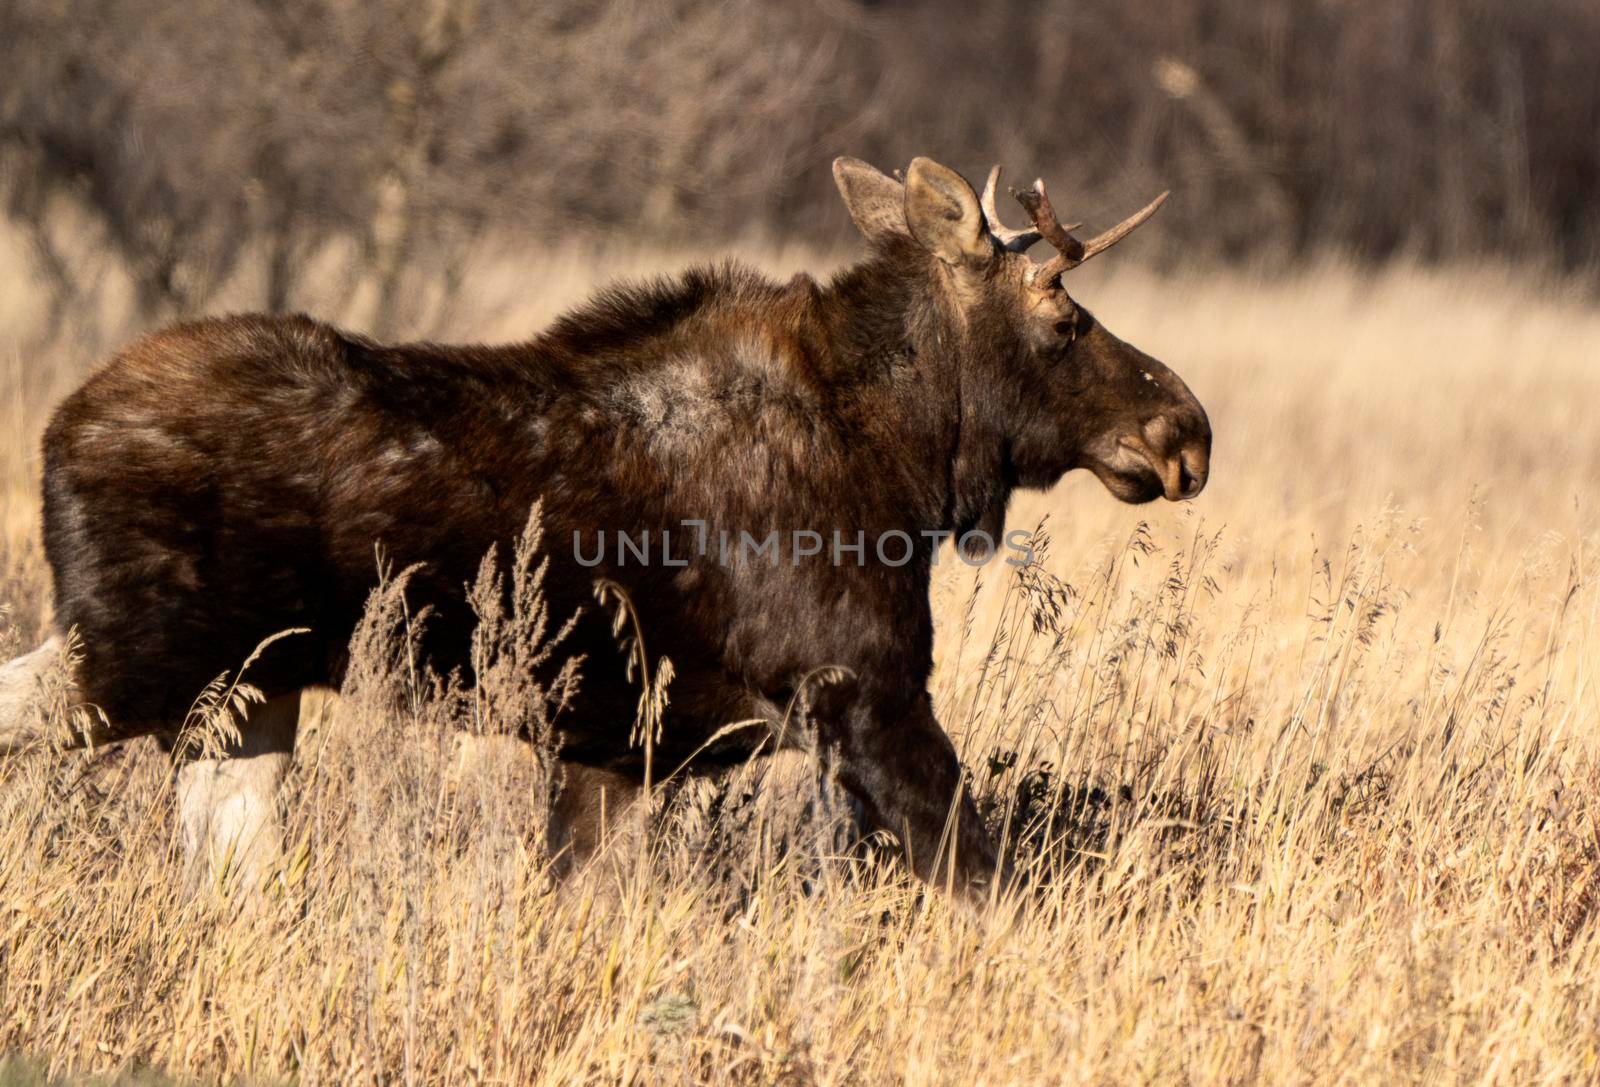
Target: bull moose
227 479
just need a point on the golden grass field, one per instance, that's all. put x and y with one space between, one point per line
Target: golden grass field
1307 772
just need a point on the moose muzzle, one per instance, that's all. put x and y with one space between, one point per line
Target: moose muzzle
1182 464
1176 446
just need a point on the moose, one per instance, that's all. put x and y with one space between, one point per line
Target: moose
227 479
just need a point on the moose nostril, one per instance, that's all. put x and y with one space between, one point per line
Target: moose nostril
1192 477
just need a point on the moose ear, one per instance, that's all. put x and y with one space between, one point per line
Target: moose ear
876 201
943 214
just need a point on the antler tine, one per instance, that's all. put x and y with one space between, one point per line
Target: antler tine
1069 250
1015 241
1101 242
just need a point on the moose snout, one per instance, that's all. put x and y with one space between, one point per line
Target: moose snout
1181 454
1194 463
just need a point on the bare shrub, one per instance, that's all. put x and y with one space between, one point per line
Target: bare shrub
238 149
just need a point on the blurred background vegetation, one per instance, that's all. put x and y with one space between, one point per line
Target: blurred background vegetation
205 141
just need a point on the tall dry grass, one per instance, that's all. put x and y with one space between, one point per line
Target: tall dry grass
1306 774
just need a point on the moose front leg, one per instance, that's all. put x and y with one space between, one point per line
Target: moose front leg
902 767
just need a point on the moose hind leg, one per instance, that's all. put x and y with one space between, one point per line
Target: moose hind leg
595 808
228 816
22 683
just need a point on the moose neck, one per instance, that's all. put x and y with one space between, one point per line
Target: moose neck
887 314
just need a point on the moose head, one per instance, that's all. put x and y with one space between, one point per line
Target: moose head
1057 390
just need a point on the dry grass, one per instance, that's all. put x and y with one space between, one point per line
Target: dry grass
1307 772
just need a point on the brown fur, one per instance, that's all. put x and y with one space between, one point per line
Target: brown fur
227 479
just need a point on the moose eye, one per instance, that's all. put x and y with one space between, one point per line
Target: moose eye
1067 328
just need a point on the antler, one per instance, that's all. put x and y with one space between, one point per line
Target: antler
1070 252
1014 241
